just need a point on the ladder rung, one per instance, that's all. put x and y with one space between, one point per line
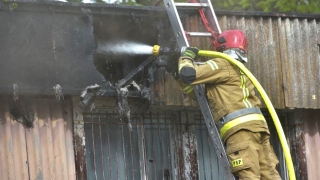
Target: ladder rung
195 5
202 34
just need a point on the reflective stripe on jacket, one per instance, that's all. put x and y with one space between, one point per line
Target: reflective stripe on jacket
227 88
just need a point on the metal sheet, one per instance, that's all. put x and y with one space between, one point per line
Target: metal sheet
13 158
301 65
312 139
160 146
44 151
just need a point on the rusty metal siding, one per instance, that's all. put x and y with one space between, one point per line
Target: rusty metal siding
13 157
42 152
312 143
302 130
283 55
301 75
161 145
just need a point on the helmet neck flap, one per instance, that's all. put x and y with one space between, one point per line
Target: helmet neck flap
237 54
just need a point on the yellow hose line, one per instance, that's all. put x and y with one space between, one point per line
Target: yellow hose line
267 101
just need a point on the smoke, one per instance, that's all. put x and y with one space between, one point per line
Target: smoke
129 48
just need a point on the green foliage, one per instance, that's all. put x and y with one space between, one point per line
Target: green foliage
94 1
293 6
12 5
287 6
74 0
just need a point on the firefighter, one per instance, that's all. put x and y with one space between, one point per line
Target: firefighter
234 106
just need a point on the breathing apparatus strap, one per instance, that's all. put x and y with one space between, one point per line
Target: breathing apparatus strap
238 117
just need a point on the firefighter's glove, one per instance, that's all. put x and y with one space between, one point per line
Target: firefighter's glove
191 52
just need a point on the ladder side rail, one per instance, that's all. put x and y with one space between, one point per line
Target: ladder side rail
176 23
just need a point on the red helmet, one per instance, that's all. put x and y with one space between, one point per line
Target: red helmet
231 39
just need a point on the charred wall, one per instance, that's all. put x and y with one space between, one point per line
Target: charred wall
42 48
50 43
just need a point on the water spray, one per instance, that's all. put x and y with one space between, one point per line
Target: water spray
129 48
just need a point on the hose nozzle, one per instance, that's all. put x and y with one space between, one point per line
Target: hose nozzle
157 50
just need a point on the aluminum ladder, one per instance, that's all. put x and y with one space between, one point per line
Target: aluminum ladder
181 38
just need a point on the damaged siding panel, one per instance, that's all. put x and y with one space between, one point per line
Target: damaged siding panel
300 67
296 63
46 144
312 145
296 131
208 164
114 152
35 148
55 148
43 151
13 158
162 145
79 140
311 60
284 55
289 70
69 129
79 146
315 32
313 65
58 138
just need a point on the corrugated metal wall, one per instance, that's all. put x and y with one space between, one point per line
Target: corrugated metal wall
283 55
312 139
42 152
164 143
302 130
158 147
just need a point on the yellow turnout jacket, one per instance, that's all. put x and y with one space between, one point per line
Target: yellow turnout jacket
227 88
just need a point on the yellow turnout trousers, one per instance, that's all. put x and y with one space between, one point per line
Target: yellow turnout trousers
251 156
